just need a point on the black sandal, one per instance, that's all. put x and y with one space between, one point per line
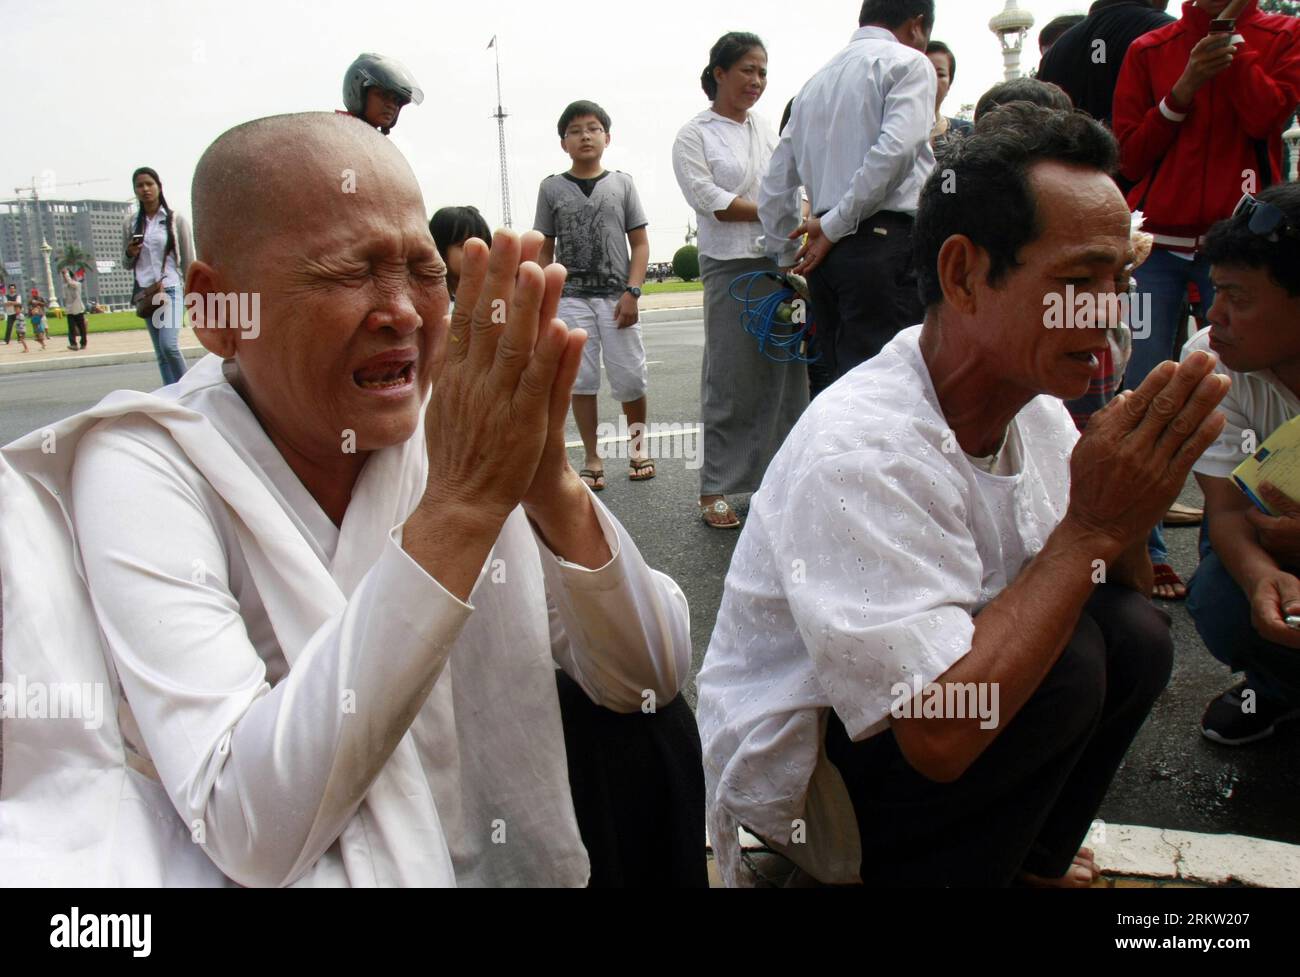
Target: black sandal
636 469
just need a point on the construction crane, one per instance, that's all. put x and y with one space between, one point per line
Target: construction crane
34 190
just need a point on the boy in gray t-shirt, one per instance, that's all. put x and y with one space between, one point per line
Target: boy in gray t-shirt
590 216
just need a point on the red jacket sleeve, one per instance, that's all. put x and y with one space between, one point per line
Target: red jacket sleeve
1144 134
1265 97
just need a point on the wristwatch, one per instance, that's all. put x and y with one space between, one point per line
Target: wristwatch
636 292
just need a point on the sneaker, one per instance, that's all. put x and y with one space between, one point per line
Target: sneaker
1226 720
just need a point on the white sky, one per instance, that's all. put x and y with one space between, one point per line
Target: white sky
96 89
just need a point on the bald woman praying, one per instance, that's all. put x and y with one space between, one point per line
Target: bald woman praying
355 618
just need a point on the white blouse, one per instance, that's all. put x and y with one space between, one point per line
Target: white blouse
716 160
870 547
154 257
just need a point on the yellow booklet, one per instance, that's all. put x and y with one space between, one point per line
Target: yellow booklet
1277 461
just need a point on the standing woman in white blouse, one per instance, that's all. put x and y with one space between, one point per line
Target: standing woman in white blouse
749 402
159 248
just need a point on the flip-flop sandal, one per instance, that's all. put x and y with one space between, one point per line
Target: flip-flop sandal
597 483
1166 576
720 508
1183 515
636 469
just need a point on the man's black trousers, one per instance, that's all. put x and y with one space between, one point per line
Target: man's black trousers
863 294
1026 804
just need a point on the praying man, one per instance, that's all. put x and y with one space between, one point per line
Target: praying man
934 520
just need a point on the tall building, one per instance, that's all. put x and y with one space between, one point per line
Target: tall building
95 226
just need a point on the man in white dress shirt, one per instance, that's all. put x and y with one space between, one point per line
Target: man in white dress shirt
858 141
328 577
934 646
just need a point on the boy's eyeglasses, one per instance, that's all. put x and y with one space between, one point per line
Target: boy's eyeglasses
1264 219
590 131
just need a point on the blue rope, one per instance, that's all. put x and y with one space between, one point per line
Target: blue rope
779 341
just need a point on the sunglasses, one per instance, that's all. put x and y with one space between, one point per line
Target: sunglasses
1264 219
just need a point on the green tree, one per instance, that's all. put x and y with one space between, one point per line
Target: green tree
72 258
1291 7
686 263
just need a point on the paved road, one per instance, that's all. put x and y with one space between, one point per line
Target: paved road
1172 778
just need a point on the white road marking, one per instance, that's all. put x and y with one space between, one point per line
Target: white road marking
649 437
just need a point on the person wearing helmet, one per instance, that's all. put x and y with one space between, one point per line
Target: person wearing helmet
375 88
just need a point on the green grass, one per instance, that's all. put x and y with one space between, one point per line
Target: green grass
126 321
664 288
103 322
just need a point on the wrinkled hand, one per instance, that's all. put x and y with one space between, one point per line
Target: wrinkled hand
1135 455
500 375
1274 597
1279 535
814 250
627 312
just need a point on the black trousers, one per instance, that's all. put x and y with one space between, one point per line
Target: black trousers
9 326
638 791
77 327
863 295
1027 802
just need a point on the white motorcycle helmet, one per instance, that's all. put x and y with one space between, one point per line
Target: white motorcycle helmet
376 71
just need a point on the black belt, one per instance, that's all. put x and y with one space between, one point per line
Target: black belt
881 218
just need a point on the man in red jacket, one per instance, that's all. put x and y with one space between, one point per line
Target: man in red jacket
1199 117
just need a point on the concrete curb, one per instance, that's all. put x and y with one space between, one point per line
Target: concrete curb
1189 856
1163 854
81 362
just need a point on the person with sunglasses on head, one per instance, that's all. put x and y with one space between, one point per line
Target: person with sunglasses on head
1247 587
1199 111
376 89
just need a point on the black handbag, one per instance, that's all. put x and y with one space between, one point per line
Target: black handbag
142 298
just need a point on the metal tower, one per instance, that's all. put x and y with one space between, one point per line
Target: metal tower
501 116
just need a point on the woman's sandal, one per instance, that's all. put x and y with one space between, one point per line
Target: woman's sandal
1167 577
597 479
636 470
720 508
1183 515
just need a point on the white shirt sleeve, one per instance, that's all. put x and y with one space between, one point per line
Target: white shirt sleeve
778 202
266 778
883 584
1221 458
621 631
906 121
691 166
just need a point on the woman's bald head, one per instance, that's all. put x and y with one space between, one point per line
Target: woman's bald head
316 220
289 174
